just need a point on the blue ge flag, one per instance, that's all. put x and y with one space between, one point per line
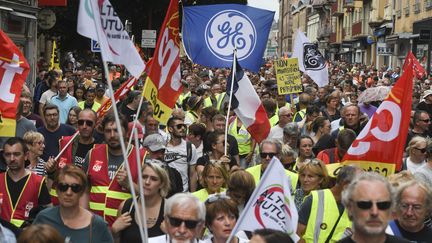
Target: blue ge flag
211 32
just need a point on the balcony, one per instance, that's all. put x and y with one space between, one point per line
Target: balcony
356 29
336 9
374 18
324 32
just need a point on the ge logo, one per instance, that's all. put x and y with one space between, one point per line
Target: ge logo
394 111
227 30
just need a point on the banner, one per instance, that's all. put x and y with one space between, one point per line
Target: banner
380 145
271 205
212 32
288 76
310 60
98 21
13 72
52 3
54 62
163 87
247 104
418 68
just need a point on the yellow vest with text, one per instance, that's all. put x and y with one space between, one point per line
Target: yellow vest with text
322 219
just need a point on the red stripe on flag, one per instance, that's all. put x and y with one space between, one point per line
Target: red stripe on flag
260 129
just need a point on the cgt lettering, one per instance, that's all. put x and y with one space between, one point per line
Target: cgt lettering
157 111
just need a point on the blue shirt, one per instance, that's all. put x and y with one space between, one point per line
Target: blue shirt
64 105
52 139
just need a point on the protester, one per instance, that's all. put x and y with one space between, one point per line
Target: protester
40 233
156 185
36 144
416 152
221 217
312 176
63 100
213 180
270 236
285 116
330 222
106 172
413 206
305 144
288 157
72 119
69 218
240 187
26 101
21 189
343 142
368 201
184 219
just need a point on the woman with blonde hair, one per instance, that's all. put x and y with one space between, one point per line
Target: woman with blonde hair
241 185
213 180
416 151
156 185
313 175
35 142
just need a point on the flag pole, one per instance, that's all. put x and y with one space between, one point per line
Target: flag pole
141 191
67 145
233 72
122 142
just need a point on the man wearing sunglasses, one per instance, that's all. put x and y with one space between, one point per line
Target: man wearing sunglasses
268 149
368 201
184 218
75 153
413 206
181 156
421 122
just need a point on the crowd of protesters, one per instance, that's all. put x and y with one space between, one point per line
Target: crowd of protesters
193 177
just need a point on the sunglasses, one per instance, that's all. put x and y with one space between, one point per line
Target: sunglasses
264 155
384 205
423 150
63 187
425 120
87 122
180 126
216 197
176 222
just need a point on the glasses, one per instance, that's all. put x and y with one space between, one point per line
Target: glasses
180 126
39 143
287 115
216 197
414 207
176 222
425 120
63 187
264 155
423 150
384 205
87 122
52 115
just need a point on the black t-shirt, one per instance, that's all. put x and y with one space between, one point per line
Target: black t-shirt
80 154
423 236
128 113
389 239
52 139
15 189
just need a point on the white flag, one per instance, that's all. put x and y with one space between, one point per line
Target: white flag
310 59
271 204
97 20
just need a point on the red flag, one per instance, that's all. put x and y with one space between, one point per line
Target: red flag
380 145
118 95
163 86
418 68
13 70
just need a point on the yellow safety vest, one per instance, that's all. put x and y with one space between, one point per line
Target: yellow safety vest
95 106
202 194
243 137
300 113
274 120
255 171
219 100
322 219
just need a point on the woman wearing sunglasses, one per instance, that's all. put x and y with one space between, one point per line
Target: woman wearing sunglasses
71 220
214 178
416 151
313 175
217 143
221 217
156 185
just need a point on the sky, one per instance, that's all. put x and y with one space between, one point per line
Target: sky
266 4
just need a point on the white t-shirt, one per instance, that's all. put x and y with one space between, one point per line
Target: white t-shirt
276 132
178 156
165 238
413 167
46 96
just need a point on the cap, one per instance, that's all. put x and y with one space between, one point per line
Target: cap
100 86
154 142
427 93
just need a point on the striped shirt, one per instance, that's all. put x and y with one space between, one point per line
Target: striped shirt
39 169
